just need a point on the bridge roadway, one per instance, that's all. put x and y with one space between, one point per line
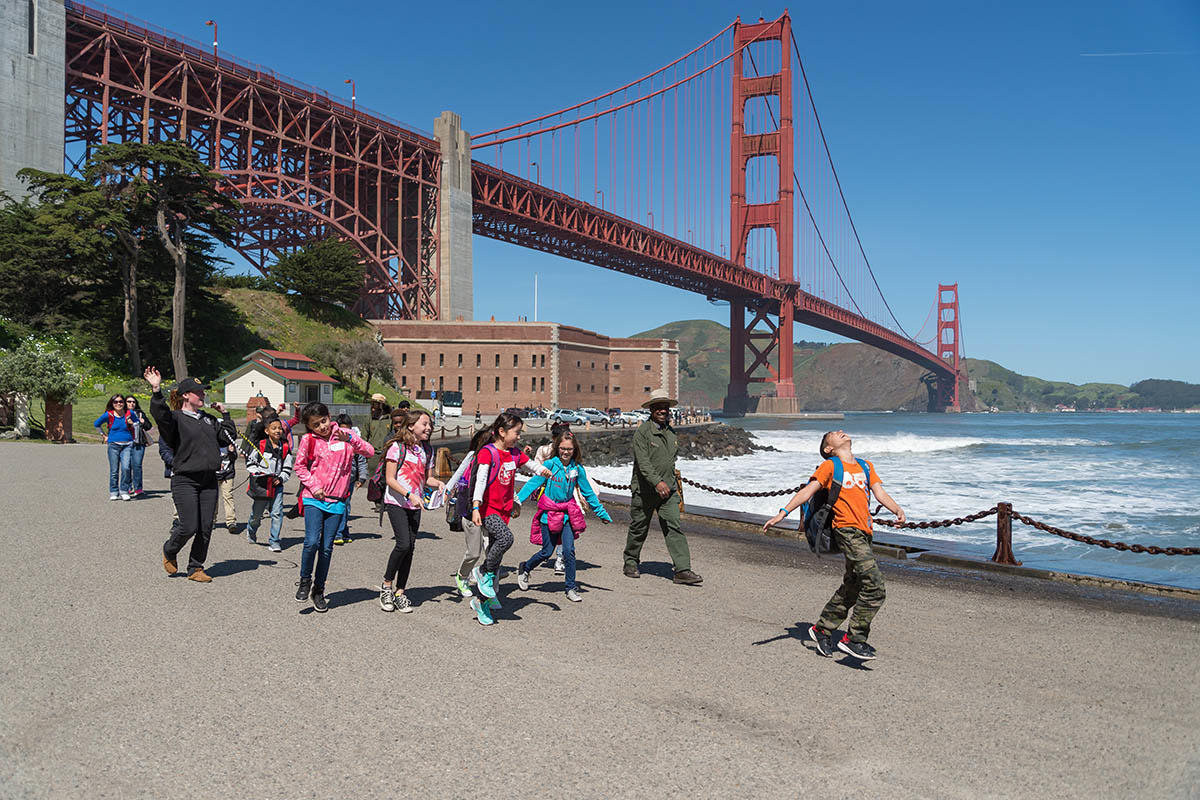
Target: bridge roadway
121 682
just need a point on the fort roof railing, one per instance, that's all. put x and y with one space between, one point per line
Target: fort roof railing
247 69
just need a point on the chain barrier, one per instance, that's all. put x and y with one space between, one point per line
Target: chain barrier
1106 543
946 523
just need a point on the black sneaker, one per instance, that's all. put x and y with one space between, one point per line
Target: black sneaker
860 650
305 585
631 571
319 603
822 639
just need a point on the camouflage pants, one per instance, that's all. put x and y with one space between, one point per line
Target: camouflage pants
861 589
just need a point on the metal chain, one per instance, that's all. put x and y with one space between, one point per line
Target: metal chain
942 523
1079 537
946 523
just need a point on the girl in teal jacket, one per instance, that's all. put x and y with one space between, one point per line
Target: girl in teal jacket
566 472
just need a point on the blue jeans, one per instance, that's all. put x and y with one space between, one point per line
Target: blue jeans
547 551
320 528
118 466
136 453
275 504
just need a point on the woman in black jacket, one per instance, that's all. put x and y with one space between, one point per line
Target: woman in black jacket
198 439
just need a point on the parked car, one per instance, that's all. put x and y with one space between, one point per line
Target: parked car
594 416
566 415
631 418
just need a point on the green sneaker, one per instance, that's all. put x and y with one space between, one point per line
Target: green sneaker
464 588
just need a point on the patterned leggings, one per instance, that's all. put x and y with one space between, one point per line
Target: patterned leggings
500 538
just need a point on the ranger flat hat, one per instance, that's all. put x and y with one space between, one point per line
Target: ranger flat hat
378 398
660 396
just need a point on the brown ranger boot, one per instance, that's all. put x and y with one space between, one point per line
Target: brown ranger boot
170 566
200 576
687 578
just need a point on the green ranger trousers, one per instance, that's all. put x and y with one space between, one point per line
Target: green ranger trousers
644 505
861 589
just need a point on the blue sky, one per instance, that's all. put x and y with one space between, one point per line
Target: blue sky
977 142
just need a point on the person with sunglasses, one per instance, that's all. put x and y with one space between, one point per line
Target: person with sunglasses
119 438
141 439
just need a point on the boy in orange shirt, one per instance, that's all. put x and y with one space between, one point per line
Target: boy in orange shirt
862 585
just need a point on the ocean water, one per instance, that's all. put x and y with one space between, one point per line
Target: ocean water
1128 477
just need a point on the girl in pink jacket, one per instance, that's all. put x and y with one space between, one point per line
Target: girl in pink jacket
323 465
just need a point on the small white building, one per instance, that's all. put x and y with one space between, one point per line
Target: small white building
278 376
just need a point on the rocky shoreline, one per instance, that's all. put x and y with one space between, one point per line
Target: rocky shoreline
611 448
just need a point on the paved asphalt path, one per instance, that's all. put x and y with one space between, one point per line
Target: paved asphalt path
119 681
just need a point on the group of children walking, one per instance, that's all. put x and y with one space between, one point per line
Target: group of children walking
329 461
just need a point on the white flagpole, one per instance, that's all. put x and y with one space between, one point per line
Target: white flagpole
535 296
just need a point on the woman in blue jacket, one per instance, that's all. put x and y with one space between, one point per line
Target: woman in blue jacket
120 446
566 472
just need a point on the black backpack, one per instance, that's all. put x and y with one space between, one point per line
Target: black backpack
818 511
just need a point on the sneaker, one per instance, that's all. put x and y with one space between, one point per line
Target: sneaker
274 547
319 603
860 650
686 577
481 612
403 604
487 585
125 496
822 639
475 575
493 604
113 496
560 566
339 540
387 599
233 528
464 588
523 578
573 596
305 585
250 537
137 493
631 571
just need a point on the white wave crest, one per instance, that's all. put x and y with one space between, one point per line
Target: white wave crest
807 442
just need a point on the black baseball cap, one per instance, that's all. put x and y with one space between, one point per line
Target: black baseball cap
191 385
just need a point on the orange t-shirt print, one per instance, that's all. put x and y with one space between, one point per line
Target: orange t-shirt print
853 506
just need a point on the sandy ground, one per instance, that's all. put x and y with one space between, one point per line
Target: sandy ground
119 681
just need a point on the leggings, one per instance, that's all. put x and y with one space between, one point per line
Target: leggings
195 496
500 539
405 523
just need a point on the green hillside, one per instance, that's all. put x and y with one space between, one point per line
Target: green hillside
857 377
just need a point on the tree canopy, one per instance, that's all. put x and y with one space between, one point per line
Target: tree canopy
326 272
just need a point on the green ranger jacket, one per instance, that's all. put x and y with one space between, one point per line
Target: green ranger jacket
654 451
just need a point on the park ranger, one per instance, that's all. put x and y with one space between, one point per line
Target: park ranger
655 488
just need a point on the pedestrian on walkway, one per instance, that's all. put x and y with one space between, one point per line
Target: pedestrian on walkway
324 464
492 508
226 474
141 440
458 493
119 438
655 489
358 479
269 466
197 439
862 583
406 472
560 528
540 457
377 431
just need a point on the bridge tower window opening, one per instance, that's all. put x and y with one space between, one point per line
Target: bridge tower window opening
31 27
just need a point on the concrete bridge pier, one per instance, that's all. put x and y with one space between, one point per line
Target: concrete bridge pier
32 85
456 275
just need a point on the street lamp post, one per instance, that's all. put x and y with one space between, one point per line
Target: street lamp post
537 171
650 214
213 23
601 193
353 96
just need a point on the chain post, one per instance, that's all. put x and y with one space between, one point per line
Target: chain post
1004 551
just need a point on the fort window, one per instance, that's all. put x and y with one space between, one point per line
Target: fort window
533 384
514 383
647 368
422 383
497 380
543 360
498 364
441 383
422 359
478 384
460 359
404 359
514 360
543 384
645 388
533 361
616 367
478 360
460 383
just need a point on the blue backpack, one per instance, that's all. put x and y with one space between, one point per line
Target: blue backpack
818 511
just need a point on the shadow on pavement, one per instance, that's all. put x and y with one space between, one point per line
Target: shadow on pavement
514 604
348 597
233 566
659 569
799 632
